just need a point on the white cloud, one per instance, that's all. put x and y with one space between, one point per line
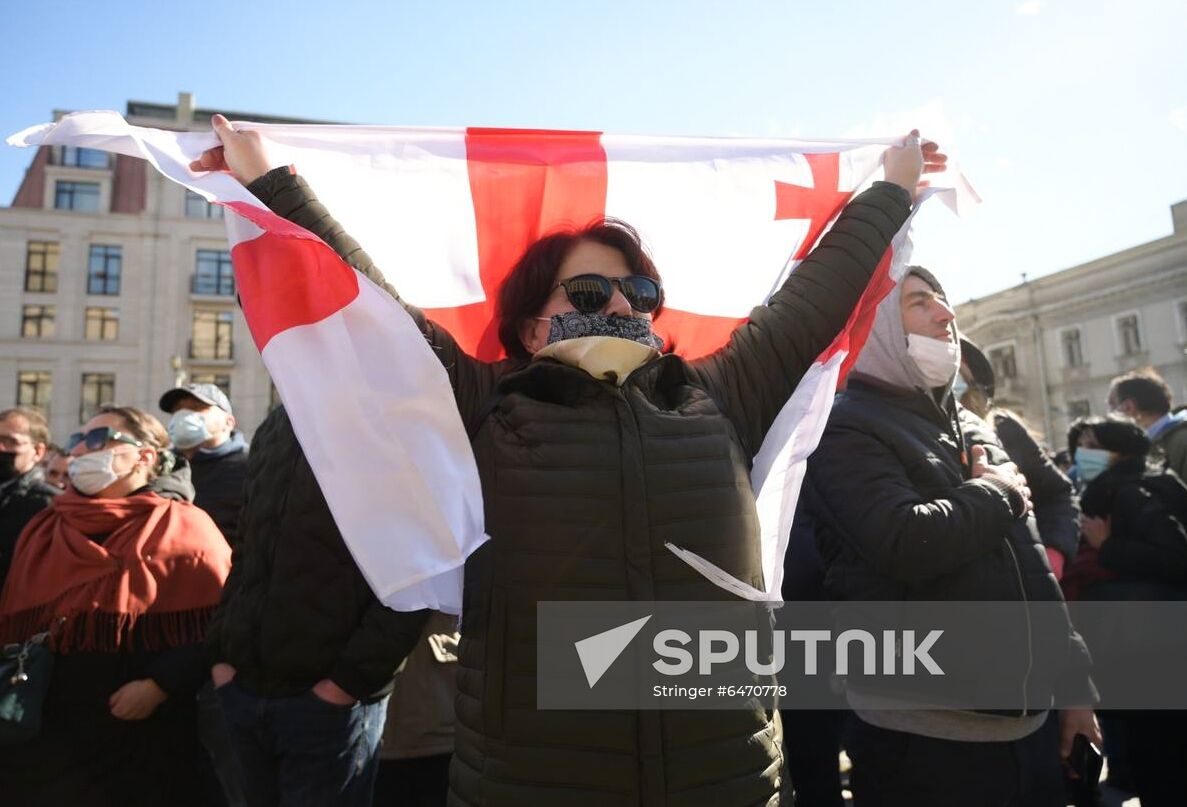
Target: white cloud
1178 118
928 118
1004 162
1030 8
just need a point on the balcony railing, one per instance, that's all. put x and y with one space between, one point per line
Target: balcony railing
212 286
211 351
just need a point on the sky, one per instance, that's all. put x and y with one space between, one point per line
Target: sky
1069 117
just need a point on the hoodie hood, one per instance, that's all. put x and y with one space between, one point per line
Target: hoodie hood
235 443
884 356
175 484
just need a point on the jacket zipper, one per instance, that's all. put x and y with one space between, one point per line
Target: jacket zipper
1029 628
967 464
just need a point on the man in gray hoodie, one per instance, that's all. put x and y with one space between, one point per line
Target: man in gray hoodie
904 512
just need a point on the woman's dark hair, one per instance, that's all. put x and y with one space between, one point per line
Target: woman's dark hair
1113 433
533 278
1073 436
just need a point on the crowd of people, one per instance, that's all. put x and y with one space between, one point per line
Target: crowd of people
215 643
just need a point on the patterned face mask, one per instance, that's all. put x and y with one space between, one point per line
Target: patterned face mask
574 324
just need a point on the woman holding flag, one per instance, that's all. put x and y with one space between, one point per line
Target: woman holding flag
596 451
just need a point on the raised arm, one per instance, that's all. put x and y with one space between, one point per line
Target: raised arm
754 375
289 196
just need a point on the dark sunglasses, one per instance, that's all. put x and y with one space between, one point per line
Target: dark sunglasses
95 439
590 293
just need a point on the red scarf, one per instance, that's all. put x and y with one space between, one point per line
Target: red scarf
153 583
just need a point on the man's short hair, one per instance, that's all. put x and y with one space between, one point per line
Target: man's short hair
1146 388
38 430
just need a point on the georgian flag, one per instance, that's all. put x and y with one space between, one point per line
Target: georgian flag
445 213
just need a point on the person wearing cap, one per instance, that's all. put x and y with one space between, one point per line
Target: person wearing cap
1052 493
904 511
202 428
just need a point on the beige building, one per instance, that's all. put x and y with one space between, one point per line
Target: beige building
115 282
1057 341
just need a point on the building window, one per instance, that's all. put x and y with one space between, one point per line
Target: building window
1079 408
84 158
33 389
81 196
102 324
41 266
1073 351
103 269
213 273
210 335
37 321
98 389
1003 361
220 380
1129 334
196 207
1181 319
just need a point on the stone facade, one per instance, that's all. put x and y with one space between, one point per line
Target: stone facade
141 295
1071 332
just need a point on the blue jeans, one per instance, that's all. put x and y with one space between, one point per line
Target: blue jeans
218 768
302 751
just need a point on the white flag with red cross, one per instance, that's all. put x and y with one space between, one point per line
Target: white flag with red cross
445 213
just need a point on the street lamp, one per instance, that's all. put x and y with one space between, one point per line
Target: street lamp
178 370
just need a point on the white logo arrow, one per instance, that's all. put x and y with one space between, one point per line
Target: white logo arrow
599 651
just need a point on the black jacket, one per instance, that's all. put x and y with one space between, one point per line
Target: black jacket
20 500
1051 492
1148 511
898 518
296 609
218 476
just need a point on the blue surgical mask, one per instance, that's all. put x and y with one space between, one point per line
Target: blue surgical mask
574 324
1092 462
959 387
187 429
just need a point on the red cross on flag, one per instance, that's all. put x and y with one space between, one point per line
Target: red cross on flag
445 213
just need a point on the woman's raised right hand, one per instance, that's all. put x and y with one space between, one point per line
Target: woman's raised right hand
241 153
904 165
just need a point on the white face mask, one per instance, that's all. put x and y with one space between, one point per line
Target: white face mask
92 472
187 429
937 359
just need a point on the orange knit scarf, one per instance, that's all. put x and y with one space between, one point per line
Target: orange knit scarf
152 583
